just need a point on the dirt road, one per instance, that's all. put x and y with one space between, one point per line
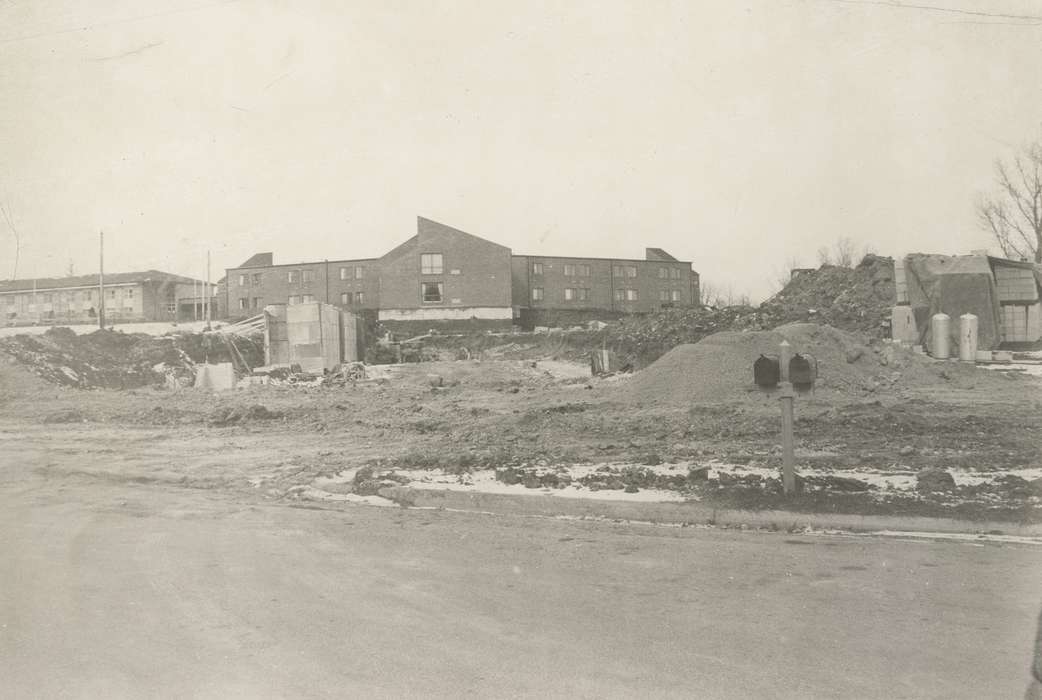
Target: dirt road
115 588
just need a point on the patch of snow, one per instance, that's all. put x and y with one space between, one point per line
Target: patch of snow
320 495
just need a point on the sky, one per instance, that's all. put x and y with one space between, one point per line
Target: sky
741 136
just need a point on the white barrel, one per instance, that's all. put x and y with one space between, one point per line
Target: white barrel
940 327
968 338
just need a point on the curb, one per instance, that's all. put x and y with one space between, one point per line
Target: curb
694 513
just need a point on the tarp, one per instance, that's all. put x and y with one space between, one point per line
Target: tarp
954 285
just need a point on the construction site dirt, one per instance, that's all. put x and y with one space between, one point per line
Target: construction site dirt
885 431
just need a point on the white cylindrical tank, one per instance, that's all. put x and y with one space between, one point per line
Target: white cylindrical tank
968 338
940 327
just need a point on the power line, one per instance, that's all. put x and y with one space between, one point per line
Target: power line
111 23
935 8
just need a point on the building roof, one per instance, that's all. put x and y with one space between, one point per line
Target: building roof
43 283
259 260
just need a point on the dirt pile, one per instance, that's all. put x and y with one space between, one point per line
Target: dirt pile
851 299
719 368
115 360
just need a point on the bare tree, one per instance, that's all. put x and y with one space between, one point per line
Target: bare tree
845 252
783 274
17 239
707 293
1012 214
824 255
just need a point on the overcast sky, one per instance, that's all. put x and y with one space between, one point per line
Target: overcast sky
733 134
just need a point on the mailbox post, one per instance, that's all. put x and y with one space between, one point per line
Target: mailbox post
788 398
796 373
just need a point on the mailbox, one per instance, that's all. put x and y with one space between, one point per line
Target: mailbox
803 371
767 371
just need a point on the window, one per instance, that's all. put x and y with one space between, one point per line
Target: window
631 295
242 280
257 302
663 294
537 268
90 294
293 299
576 294
675 273
569 271
624 270
359 273
345 297
130 293
674 295
242 303
431 264
537 293
430 292
663 273
308 298
583 270
359 298
631 270
112 294
569 294
345 273
307 276
292 276
256 278
620 295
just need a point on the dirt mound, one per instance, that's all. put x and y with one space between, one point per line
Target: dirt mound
115 360
719 368
851 299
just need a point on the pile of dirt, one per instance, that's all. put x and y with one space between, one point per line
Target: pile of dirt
851 299
115 360
719 368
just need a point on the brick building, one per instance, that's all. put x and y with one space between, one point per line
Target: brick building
444 274
129 297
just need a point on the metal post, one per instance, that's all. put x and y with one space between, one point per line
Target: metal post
784 356
101 280
788 443
209 301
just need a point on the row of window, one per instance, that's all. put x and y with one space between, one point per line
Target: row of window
303 276
63 297
583 270
583 294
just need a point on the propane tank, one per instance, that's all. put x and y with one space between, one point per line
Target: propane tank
940 327
968 338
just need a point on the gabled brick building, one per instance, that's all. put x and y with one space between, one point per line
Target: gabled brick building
444 274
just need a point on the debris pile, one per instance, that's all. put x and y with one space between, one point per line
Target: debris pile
719 367
115 360
851 299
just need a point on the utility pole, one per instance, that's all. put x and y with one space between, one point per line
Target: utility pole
209 302
101 281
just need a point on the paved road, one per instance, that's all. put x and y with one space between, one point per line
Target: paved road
113 590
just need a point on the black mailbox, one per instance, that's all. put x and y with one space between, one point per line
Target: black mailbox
767 371
803 372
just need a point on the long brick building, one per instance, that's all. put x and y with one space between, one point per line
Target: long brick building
444 274
150 295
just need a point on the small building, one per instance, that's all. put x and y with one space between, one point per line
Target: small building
150 295
1003 294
